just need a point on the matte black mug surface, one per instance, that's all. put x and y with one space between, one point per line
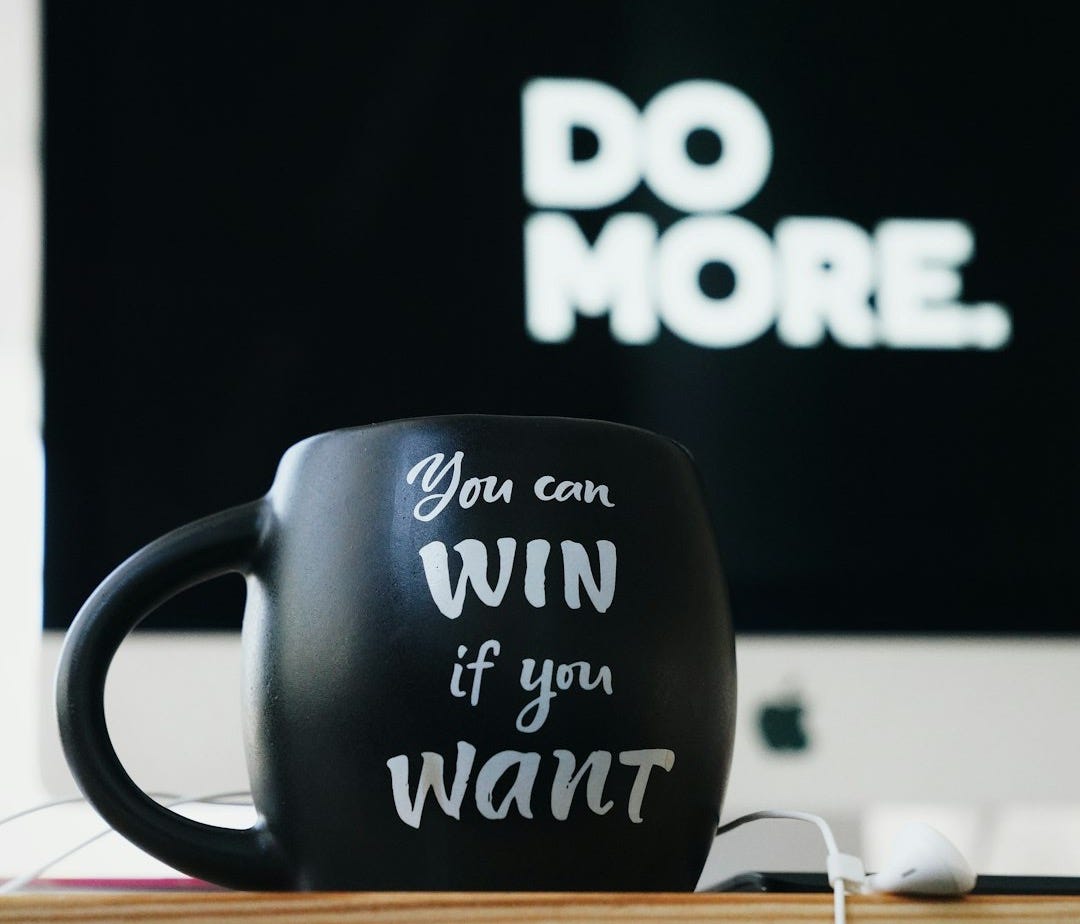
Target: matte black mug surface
479 653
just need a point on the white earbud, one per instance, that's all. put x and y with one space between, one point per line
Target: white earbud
923 862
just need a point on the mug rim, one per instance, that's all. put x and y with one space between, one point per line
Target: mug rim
446 418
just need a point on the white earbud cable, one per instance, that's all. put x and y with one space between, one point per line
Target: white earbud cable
845 871
20 882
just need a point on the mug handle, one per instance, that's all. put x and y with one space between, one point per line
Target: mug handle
216 545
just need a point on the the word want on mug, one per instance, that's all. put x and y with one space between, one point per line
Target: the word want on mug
897 287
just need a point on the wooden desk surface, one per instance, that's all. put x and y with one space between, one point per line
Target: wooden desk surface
495 908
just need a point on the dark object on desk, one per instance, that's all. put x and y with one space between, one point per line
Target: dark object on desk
755 881
363 684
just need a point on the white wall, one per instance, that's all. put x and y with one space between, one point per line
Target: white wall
21 466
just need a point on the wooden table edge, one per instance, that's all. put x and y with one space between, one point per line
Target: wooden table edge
498 907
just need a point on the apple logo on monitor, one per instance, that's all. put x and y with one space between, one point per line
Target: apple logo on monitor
780 722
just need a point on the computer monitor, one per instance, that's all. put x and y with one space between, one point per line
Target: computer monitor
824 248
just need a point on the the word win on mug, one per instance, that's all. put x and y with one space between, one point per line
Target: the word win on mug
441 481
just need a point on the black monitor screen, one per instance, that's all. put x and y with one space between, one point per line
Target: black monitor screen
828 248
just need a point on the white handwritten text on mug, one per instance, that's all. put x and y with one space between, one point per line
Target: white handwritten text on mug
577 573
597 765
534 713
435 472
441 483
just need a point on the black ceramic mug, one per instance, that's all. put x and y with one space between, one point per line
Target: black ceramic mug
479 653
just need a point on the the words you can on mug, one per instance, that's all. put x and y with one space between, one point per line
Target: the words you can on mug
479 653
